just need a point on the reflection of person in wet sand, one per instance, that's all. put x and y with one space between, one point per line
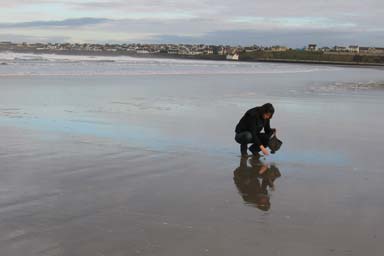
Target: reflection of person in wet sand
248 130
252 181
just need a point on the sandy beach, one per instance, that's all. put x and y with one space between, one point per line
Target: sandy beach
140 159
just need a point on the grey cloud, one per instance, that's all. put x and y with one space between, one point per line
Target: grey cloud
151 6
182 26
363 15
209 31
62 23
367 14
32 39
18 3
289 22
224 8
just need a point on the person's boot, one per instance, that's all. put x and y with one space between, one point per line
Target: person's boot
243 150
254 149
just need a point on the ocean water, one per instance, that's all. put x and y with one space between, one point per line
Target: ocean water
50 64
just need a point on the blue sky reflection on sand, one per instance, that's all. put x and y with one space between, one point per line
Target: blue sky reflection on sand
134 136
153 139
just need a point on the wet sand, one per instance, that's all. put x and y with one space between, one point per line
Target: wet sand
144 168
74 196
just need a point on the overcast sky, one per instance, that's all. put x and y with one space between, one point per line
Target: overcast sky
294 23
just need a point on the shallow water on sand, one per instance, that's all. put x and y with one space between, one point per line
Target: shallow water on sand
147 165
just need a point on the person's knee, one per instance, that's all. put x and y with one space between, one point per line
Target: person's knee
243 138
248 137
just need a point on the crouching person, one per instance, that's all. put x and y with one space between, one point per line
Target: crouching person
249 130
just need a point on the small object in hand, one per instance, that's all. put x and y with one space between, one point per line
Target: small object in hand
274 143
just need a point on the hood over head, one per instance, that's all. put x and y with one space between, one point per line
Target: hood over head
267 108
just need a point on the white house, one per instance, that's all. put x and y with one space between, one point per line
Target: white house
312 47
354 48
234 56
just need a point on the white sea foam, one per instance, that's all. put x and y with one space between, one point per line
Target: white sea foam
346 86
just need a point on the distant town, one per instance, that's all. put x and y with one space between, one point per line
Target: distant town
352 54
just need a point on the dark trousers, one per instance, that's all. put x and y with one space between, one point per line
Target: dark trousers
244 138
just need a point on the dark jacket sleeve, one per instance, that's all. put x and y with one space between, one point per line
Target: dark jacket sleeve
267 127
255 134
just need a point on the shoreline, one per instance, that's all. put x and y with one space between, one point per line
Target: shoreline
196 57
318 62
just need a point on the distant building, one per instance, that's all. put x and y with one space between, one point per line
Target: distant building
364 50
208 51
354 48
372 50
278 48
222 51
234 56
325 49
379 50
173 51
184 51
312 47
340 48
142 51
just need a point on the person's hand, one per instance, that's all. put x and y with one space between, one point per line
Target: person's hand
274 131
264 150
263 169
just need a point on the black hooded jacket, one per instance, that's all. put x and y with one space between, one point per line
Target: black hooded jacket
253 122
